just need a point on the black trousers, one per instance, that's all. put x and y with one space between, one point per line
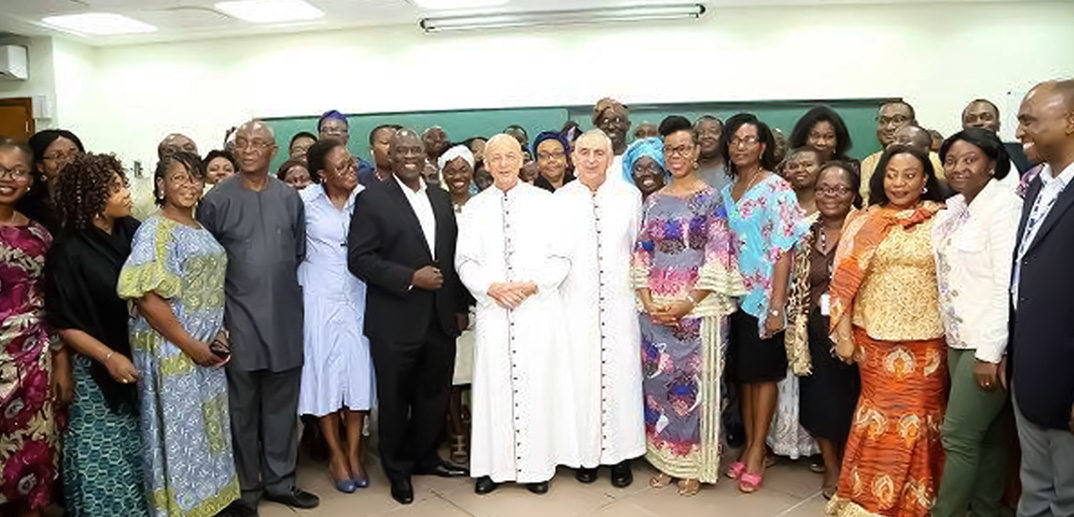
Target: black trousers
413 384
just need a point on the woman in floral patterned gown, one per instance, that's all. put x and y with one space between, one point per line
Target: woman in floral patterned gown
685 277
28 437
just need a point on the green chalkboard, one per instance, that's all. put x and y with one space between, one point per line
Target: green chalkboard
859 115
459 125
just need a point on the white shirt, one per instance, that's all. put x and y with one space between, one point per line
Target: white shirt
423 208
973 245
1042 206
602 319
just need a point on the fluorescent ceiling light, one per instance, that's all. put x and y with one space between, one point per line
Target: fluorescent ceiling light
559 18
98 24
270 11
457 4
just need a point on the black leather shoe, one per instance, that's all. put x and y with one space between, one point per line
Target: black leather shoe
485 485
445 470
403 491
622 476
586 476
538 488
296 498
237 509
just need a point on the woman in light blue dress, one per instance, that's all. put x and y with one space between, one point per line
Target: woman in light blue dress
175 278
337 376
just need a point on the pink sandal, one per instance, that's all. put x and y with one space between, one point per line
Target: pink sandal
749 483
736 470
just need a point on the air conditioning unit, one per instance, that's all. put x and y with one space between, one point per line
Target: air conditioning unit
13 63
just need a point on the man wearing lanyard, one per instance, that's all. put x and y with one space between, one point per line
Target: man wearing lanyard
1042 335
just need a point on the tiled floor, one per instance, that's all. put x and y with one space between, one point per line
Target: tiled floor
790 490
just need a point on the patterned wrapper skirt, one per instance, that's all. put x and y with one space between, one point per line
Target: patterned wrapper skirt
894 458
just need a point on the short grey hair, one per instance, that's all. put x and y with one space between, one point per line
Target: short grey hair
601 136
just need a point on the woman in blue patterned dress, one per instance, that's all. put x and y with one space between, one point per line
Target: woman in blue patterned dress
684 273
175 278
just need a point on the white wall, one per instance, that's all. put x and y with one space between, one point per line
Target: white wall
937 56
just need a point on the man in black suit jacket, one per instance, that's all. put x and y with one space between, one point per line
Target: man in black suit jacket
402 244
1042 335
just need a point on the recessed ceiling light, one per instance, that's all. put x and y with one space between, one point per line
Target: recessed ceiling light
270 11
458 4
98 24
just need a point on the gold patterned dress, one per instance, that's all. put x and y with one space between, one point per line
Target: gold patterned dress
189 468
885 280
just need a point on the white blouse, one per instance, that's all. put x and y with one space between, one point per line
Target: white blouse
974 247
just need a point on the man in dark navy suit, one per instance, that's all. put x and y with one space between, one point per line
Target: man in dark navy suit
1042 335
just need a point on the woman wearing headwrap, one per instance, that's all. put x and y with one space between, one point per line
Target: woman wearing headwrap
643 165
552 150
457 169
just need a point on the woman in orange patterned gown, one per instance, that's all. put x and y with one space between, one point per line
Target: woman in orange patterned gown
885 316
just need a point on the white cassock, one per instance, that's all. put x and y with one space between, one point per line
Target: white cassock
602 319
523 411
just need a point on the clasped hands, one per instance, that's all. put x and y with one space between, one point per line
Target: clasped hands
510 295
669 314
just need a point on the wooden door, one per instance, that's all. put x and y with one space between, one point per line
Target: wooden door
16 118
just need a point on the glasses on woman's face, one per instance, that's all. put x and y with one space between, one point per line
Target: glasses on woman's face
60 156
836 191
748 141
644 169
683 150
547 157
16 174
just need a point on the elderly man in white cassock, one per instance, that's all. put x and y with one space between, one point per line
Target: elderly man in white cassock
600 222
511 261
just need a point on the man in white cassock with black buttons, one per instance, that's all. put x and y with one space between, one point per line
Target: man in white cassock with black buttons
512 261
600 221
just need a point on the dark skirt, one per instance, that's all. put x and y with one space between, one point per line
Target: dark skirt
752 359
827 397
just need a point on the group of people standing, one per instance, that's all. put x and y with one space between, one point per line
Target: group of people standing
659 299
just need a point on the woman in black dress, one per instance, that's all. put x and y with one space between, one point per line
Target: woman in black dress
829 393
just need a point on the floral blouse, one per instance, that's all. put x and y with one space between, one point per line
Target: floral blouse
766 222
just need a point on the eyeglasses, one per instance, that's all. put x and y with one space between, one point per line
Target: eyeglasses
682 150
898 120
612 120
545 157
749 141
14 174
836 191
652 168
62 156
185 180
256 146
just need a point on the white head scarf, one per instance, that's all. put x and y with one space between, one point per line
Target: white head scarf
456 152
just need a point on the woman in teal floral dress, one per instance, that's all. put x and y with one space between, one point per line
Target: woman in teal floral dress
175 277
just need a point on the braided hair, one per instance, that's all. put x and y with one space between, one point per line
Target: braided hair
190 161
